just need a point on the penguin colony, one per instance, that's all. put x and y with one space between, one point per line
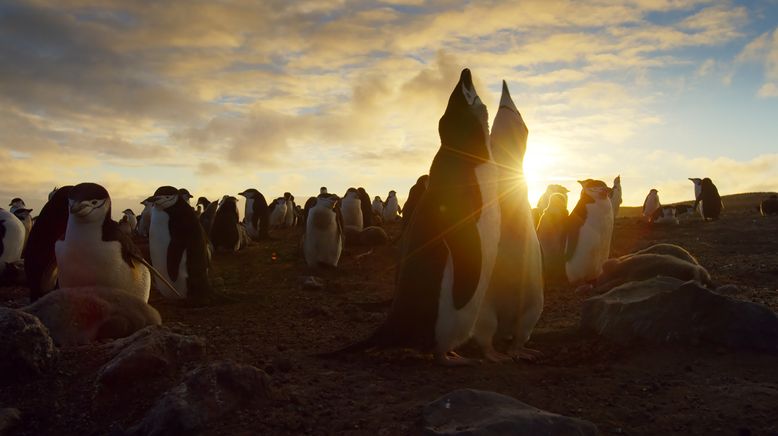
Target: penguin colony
474 256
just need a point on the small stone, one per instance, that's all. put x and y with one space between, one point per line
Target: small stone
25 345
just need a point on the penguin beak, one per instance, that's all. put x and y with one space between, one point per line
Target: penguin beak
151 199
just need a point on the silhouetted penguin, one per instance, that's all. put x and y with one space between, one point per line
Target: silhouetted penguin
697 191
227 232
378 205
351 210
185 195
651 204
367 209
209 212
144 223
551 235
450 246
289 218
178 247
414 195
128 223
278 213
323 239
256 215
392 209
310 203
710 201
769 206
616 195
543 200
40 260
589 230
12 236
323 190
94 251
514 299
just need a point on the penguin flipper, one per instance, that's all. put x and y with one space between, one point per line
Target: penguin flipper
464 246
157 274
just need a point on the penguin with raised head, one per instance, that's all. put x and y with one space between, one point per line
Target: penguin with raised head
94 252
323 238
256 215
289 216
769 206
351 210
414 194
178 247
514 298
129 222
589 231
378 206
551 235
278 213
209 212
710 201
367 209
651 204
227 232
450 246
615 195
40 260
697 191
392 210
185 195
144 223
12 234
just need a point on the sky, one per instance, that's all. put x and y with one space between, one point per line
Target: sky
220 96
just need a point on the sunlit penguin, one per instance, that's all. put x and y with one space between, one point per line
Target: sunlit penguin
40 260
651 204
94 251
367 209
378 205
710 201
323 239
543 200
616 195
551 234
278 213
589 230
178 247
697 191
351 210
289 217
769 206
227 232
129 222
450 248
185 195
514 299
144 223
665 215
391 210
414 195
12 234
256 216
209 212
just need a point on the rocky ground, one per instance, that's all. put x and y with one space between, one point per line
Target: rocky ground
279 326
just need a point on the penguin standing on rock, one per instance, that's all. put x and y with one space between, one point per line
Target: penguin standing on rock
514 299
589 231
710 201
651 204
12 234
323 238
178 248
40 260
227 232
256 216
449 250
94 251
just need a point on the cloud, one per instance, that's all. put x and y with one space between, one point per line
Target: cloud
763 50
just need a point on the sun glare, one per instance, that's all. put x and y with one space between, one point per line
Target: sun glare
538 163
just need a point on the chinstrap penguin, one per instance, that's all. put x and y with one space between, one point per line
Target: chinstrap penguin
710 201
589 230
323 238
256 216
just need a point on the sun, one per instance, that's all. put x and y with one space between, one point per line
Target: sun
539 163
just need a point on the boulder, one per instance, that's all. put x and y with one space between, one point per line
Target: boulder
149 352
78 316
206 394
668 310
25 345
470 412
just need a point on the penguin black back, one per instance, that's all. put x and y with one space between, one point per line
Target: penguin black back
224 233
711 200
366 206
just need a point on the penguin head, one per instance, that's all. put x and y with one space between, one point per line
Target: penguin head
203 201
17 202
323 190
695 180
165 197
424 181
377 198
391 194
53 191
617 181
327 201
596 189
185 195
128 212
706 182
653 192
248 193
464 127
508 140
557 202
89 203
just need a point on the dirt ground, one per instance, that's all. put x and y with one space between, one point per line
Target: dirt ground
278 326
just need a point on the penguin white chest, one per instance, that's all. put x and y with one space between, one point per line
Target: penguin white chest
13 241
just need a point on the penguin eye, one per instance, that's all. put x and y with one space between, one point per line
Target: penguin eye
94 202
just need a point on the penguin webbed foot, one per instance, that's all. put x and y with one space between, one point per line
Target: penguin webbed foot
452 359
524 353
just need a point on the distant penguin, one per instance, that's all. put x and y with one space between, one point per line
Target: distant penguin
710 201
178 247
551 234
323 239
16 203
769 206
12 234
450 248
278 213
367 209
40 260
683 209
144 223
543 200
414 194
351 210
697 191
209 212
589 231
514 298
665 215
651 204
289 217
25 217
615 195
323 190
227 232
256 215
185 195
378 205
391 208
128 223
94 251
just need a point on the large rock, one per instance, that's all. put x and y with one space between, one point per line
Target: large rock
149 352
78 316
668 310
470 412
206 394
25 345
